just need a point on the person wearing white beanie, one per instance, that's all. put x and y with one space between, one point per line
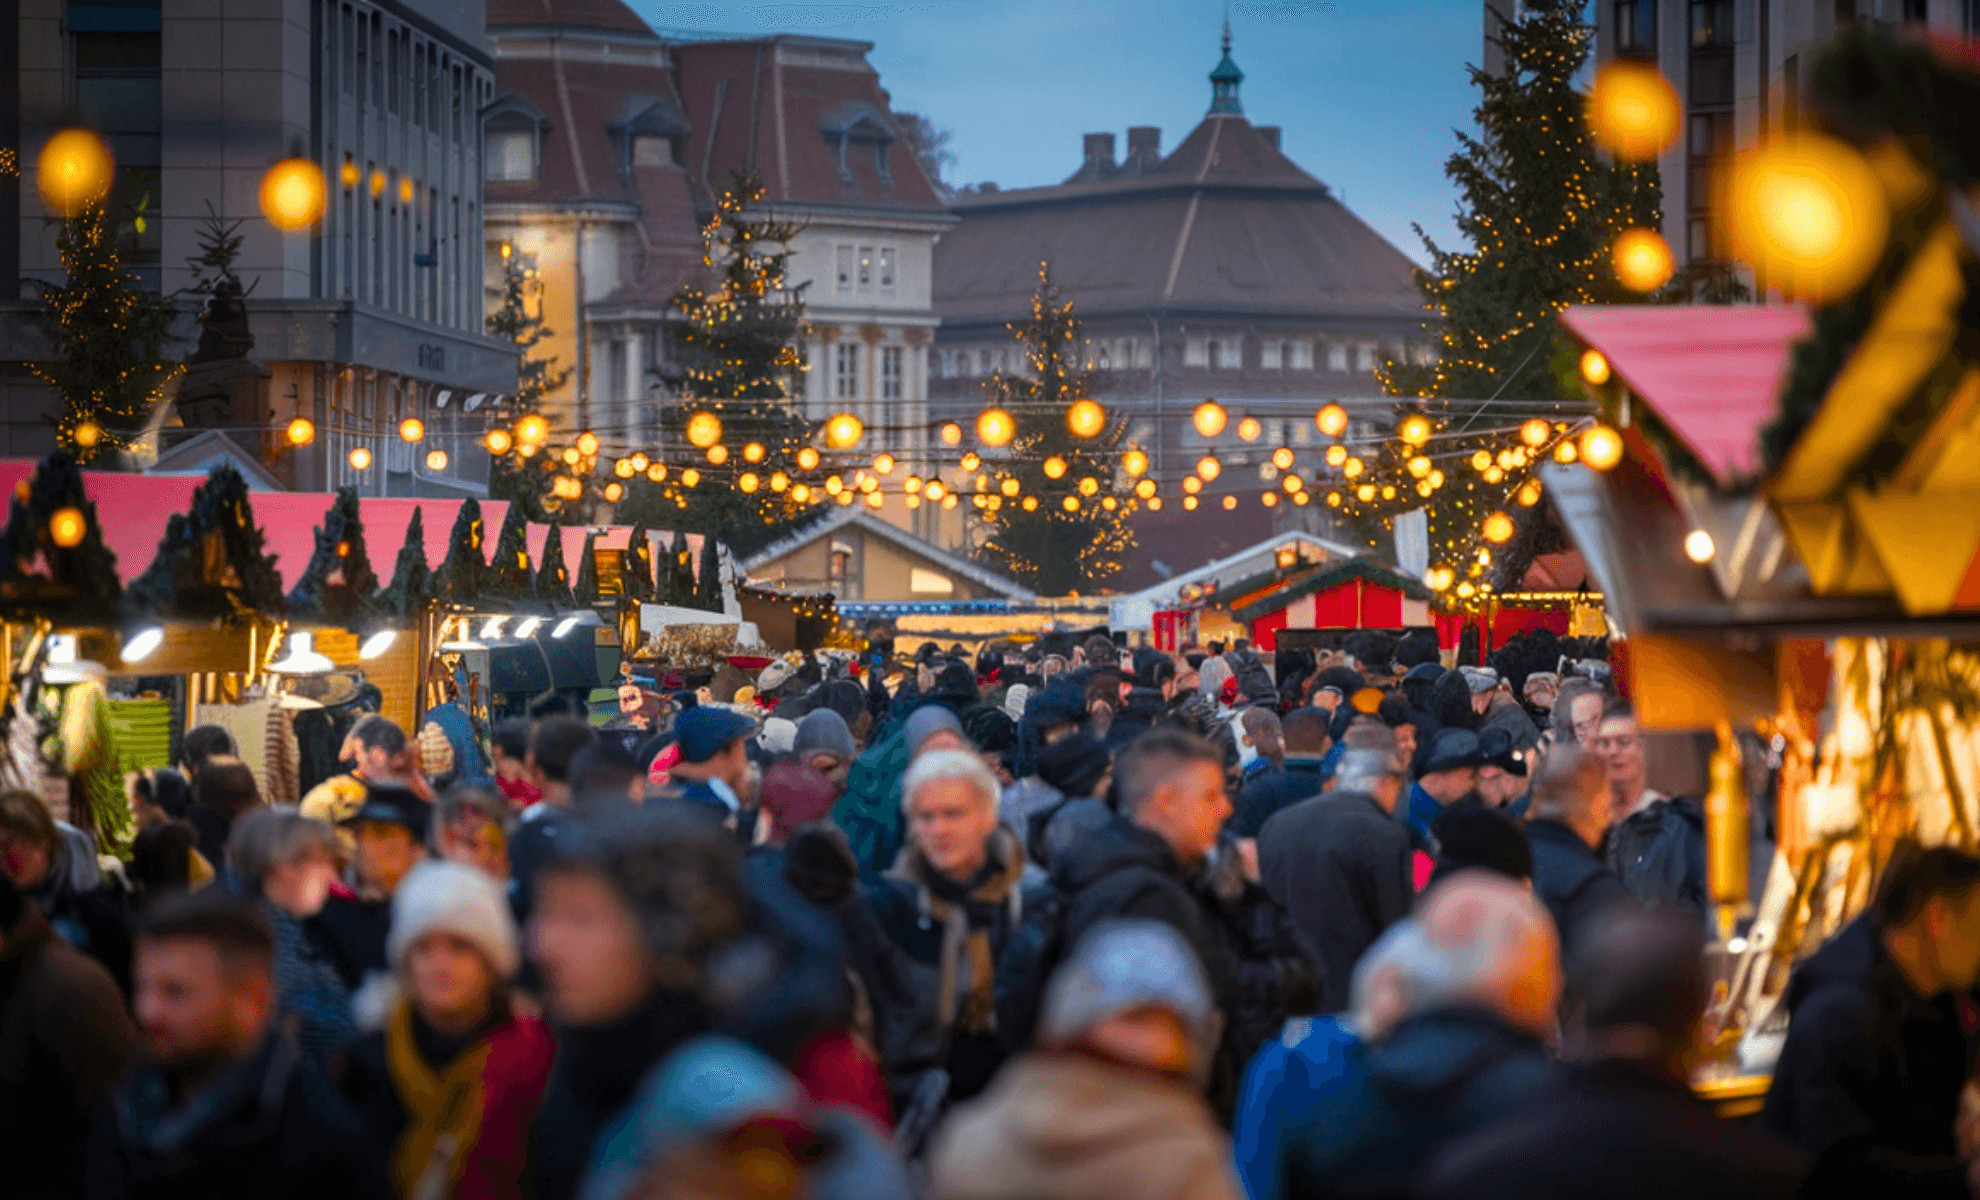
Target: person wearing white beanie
449 1076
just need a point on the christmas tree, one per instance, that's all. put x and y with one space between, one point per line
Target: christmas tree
587 576
110 334
411 579
681 567
508 571
338 584
1062 527
638 569
189 579
56 563
738 345
708 580
464 571
553 579
1542 209
515 476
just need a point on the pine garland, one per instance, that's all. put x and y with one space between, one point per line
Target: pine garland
41 578
553 579
411 578
463 572
338 584
178 581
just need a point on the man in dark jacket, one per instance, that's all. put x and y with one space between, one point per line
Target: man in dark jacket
1148 862
1339 863
64 1039
1301 777
1570 816
223 1105
1469 1053
1621 1122
1657 844
1881 1042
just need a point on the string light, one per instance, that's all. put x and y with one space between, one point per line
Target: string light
412 429
532 430
779 481
995 427
613 492
1230 502
292 194
1192 484
951 434
1089 486
66 527
704 429
360 459
884 463
657 473
1144 488
1415 430
301 431
1085 418
436 460
1353 468
748 481
1135 463
499 442
690 477
1054 467
1209 418
1595 367
1189 504
1208 468
753 452
1601 447
1009 487
1332 420
1336 455
1282 458
843 431
587 444
1249 429
807 459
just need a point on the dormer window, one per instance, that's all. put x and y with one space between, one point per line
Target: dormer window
648 133
852 128
512 140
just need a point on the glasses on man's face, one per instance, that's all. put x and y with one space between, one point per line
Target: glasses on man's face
1620 741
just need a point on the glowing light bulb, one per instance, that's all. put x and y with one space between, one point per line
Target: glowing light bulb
704 429
995 427
1209 418
292 194
1332 420
1086 418
1601 447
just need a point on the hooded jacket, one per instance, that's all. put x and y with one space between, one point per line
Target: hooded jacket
1270 791
1061 1126
1509 715
1869 1081
266 1126
1570 879
1437 1077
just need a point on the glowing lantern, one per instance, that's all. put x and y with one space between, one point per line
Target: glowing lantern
748 481
704 429
1595 367
1601 447
884 464
690 477
1498 529
1134 462
1332 420
532 430
1336 455
843 431
1633 110
1419 467
1249 429
1535 432
807 459
360 459
1415 430
66 527
587 443
1209 418
1809 213
292 194
500 442
1055 467
1086 418
412 429
1642 261
74 171
1209 468
951 434
1282 458
302 431
995 427
718 455
436 460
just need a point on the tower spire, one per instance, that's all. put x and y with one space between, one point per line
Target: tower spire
1225 78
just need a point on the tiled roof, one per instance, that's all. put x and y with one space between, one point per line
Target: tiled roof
568 14
880 527
750 103
1225 223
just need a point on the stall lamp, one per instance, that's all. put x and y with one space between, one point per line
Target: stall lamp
63 666
462 639
564 626
492 628
303 658
377 644
139 645
529 627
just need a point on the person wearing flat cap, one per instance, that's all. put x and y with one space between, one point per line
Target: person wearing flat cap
713 769
1502 772
388 832
1448 774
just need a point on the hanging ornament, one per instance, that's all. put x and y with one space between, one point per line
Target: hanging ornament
412 429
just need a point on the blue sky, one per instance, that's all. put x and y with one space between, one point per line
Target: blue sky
1368 91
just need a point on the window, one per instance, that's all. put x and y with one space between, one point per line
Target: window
890 372
1364 357
1230 354
1271 352
845 370
839 570
845 267
511 155
1337 358
1698 240
349 51
392 41
653 152
1299 355
865 269
886 268
117 89
1711 23
1636 27
1196 353
982 362
377 63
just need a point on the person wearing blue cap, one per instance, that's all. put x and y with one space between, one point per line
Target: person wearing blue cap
1448 774
714 767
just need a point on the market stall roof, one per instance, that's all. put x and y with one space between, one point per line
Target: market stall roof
1711 373
879 527
1257 559
132 511
1333 575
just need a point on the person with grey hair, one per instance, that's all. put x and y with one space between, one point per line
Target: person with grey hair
1316 1057
286 863
1108 1103
1340 864
1570 819
951 901
1481 997
1577 712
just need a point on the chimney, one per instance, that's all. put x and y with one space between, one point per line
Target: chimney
1099 150
1144 139
1270 133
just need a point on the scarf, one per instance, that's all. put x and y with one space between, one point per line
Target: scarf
968 912
443 1111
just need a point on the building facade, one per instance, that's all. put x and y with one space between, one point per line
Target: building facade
373 316
1219 269
1738 67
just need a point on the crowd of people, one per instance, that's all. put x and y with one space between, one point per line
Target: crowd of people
1058 922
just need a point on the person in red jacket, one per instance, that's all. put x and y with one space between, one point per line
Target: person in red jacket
449 1075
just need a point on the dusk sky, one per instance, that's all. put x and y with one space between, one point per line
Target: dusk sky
1368 91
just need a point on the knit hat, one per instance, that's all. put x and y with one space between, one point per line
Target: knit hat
824 731
1014 701
1073 764
447 897
1123 965
1471 835
794 794
779 735
1480 679
928 720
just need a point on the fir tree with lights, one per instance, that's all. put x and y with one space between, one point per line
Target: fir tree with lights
586 586
680 569
515 477
110 334
412 580
553 578
508 570
1069 533
1542 207
738 336
464 571
637 574
338 583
